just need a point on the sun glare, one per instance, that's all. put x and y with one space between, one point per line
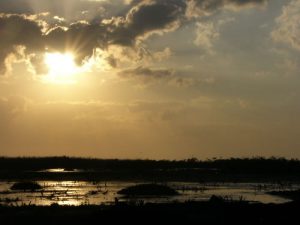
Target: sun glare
61 68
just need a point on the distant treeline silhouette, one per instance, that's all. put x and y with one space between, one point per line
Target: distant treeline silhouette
231 164
189 169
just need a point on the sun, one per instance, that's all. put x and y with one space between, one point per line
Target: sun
61 68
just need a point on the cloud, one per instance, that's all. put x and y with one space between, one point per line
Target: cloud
189 81
83 37
199 8
18 30
287 30
80 38
69 9
162 55
146 74
143 19
206 34
138 24
173 78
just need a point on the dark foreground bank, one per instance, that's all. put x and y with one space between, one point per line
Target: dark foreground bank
212 212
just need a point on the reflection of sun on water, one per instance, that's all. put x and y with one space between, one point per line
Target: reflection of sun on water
62 68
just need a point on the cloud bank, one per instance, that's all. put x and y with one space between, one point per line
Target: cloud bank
143 19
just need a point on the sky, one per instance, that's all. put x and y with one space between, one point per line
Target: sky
150 78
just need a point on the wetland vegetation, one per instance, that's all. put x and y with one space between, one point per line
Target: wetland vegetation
85 191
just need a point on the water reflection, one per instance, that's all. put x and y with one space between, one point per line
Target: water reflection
80 192
60 170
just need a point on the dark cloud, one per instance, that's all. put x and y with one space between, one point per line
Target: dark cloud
154 17
80 38
145 72
245 2
18 31
215 4
144 19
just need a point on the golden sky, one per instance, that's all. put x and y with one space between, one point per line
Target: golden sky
150 78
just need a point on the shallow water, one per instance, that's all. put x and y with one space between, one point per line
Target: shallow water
79 192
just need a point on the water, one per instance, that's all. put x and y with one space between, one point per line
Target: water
80 192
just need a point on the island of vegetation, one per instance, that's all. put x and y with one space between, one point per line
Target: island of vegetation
148 190
26 186
293 194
